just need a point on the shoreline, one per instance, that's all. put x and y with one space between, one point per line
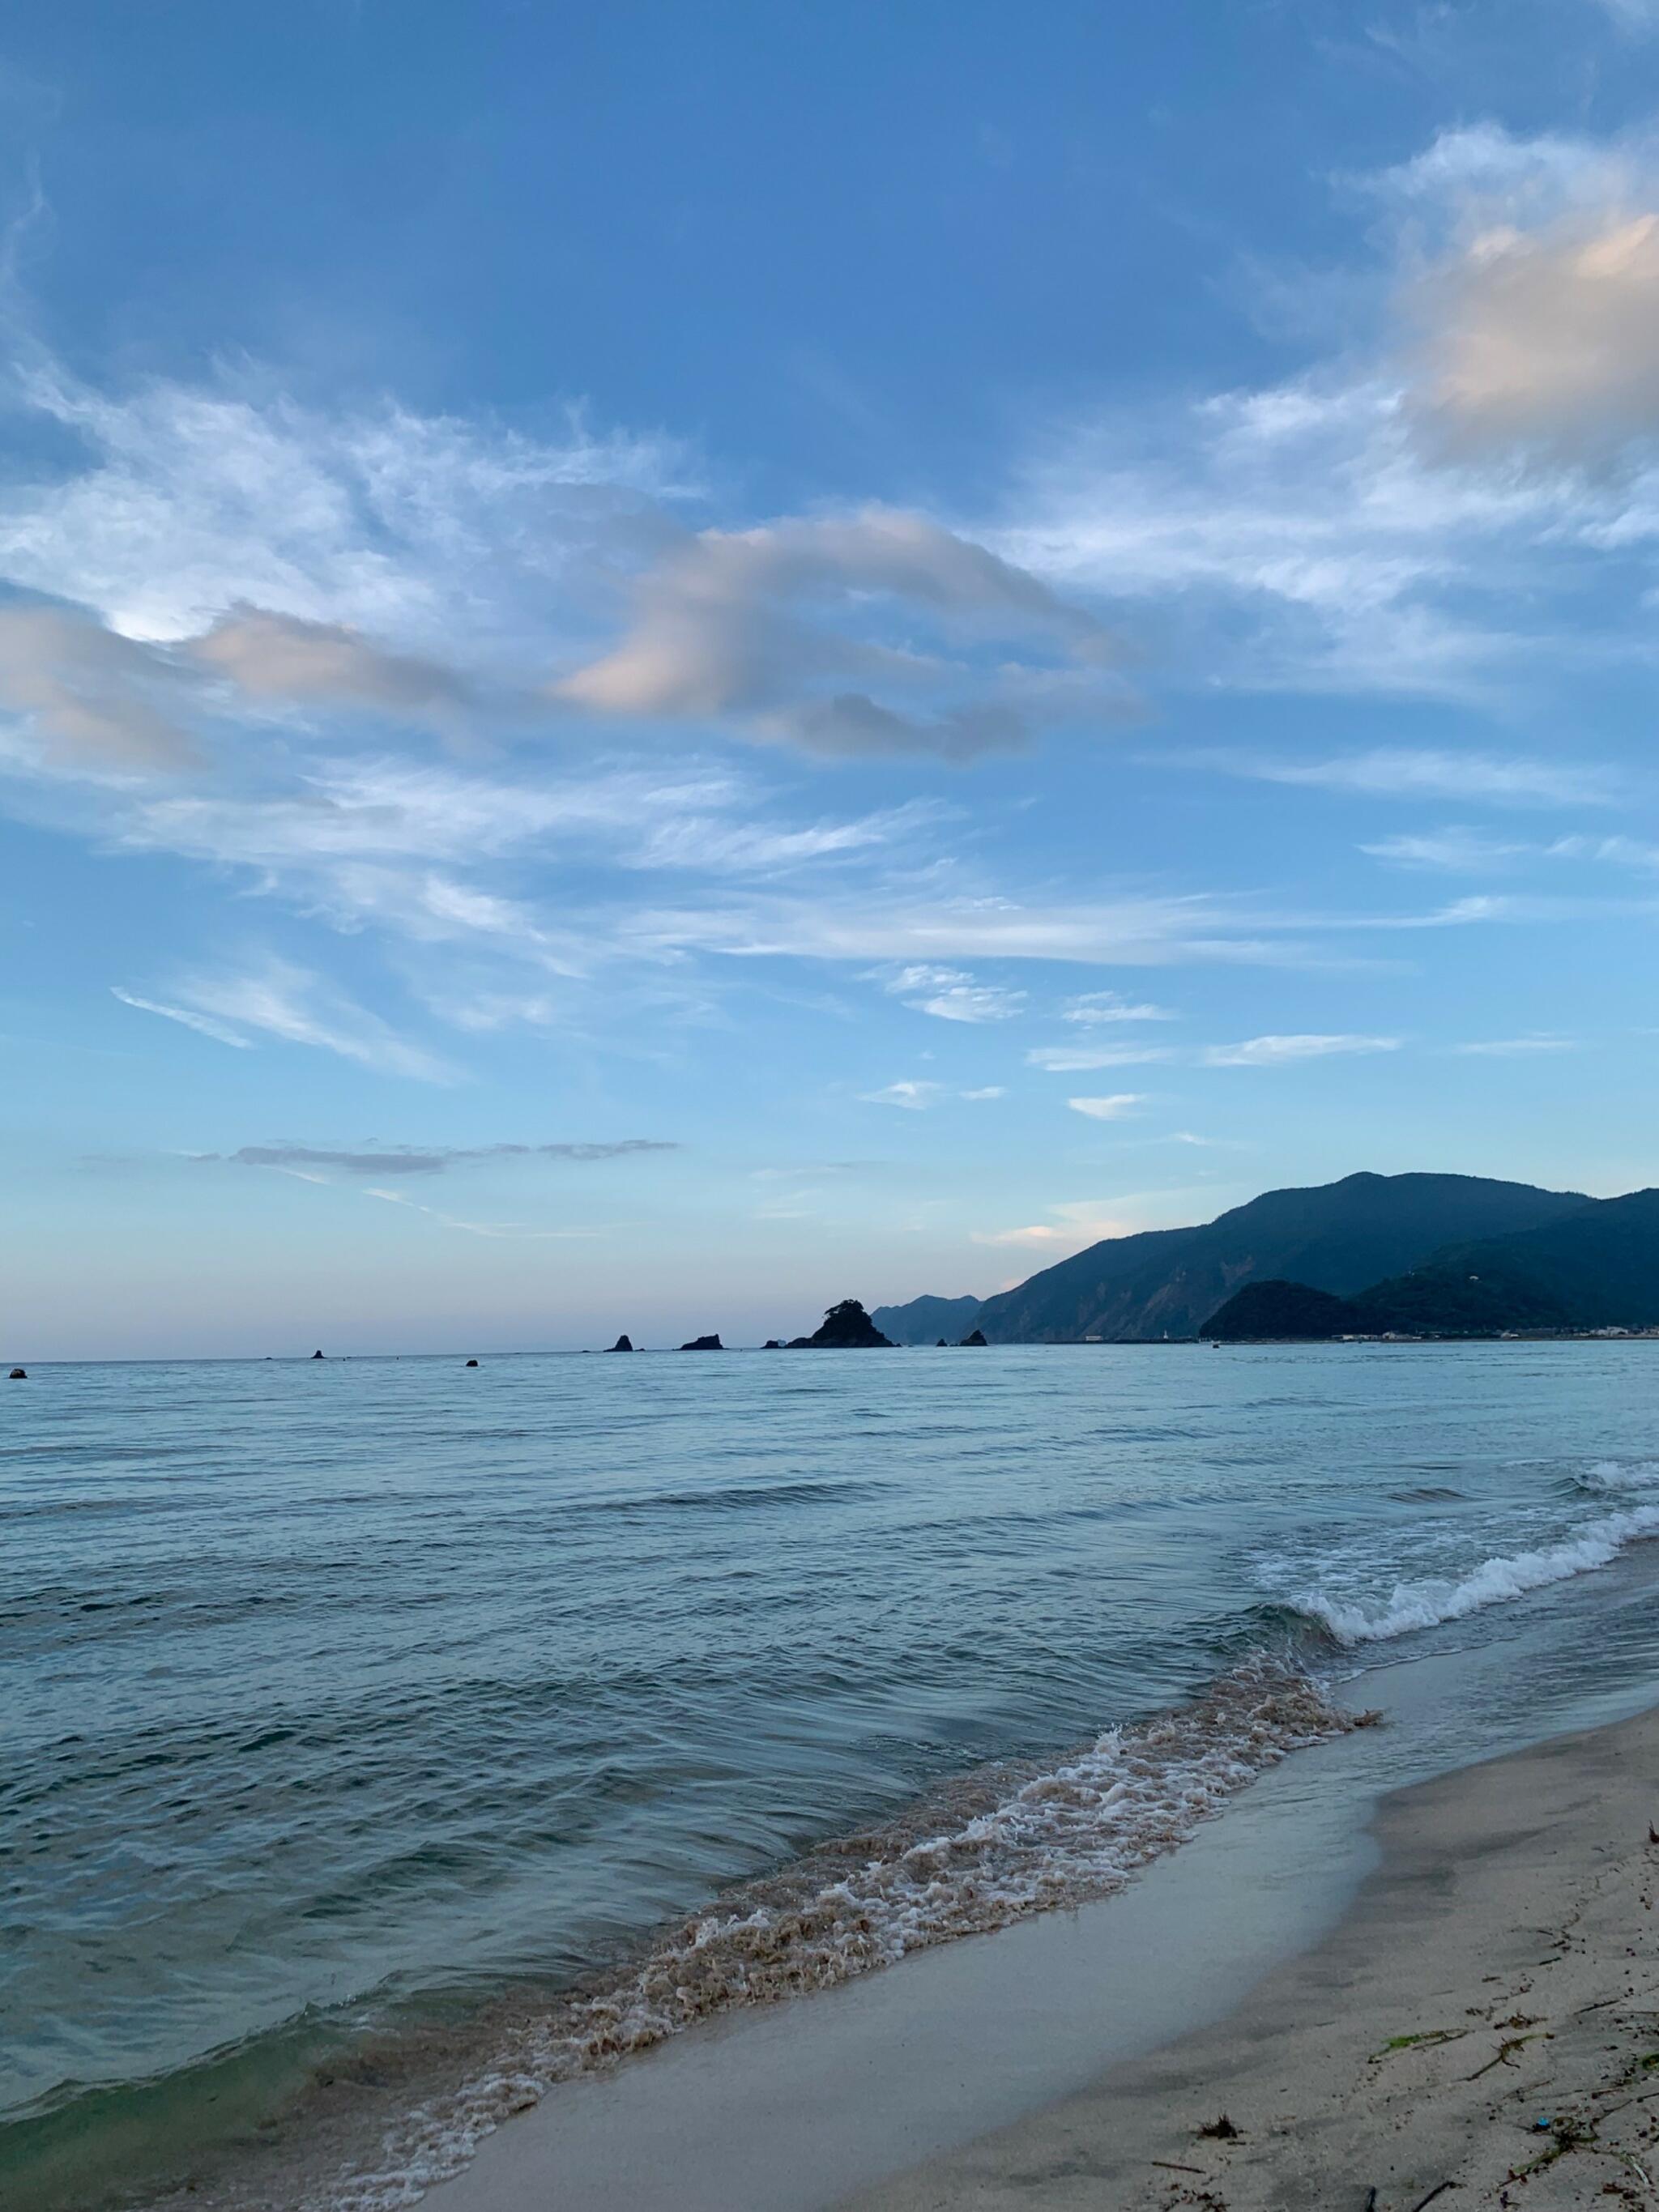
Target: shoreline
1483 2020
1073 2061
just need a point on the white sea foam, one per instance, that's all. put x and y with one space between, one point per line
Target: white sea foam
1619 1476
1424 1604
970 1860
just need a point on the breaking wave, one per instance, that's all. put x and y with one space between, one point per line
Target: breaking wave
1427 1602
1618 1476
990 1850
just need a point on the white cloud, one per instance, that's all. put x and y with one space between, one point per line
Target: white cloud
917 1096
1407 772
205 1024
1468 852
1364 525
279 656
1253 1052
1546 337
750 626
1095 1008
953 995
1119 1107
182 502
913 1097
87 699
1077 1223
1284 1051
278 999
1077 1059
1458 852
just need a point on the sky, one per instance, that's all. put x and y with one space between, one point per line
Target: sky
660 664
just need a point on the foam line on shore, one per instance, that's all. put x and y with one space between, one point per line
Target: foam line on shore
993 1849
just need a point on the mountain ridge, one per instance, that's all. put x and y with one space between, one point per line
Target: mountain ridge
1340 1238
1596 1267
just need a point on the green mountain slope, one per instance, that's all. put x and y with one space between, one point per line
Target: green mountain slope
1336 1237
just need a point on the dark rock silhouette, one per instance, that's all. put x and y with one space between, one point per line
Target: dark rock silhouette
772 1345
316 1355
703 1344
18 1375
472 1363
623 1344
941 1346
974 1336
845 1327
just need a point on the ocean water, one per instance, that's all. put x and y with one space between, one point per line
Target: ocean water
385 1740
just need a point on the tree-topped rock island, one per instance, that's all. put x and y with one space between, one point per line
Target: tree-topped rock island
845 1327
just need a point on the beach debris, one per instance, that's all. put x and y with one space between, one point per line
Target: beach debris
1426 2038
18 1375
1505 2054
1220 2130
1653 1833
1174 2165
1439 2190
1370 2198
1543 2125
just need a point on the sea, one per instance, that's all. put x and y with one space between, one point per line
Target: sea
385 1742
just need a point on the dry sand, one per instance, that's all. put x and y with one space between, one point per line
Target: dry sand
1482 2028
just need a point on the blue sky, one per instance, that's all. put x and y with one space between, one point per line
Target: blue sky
660 664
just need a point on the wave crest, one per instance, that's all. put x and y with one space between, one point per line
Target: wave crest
1426 1603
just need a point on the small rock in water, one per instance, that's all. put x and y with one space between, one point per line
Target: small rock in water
472 1363
703 1344
623 1344
974 1336
771 1345
316 1355
18 1375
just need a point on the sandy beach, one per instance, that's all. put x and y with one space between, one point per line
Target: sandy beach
1483 2025
1497 1970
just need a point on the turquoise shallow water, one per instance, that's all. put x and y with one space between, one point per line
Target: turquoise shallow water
343 1700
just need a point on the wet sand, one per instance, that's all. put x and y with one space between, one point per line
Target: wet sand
1483 2025
1497 1968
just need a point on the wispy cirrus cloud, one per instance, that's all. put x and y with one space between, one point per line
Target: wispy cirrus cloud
278 999
509 1231
1119 1106
916 1096
1415 772
1287 1051
1271 1051
1456 851
1093 1009
950 995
